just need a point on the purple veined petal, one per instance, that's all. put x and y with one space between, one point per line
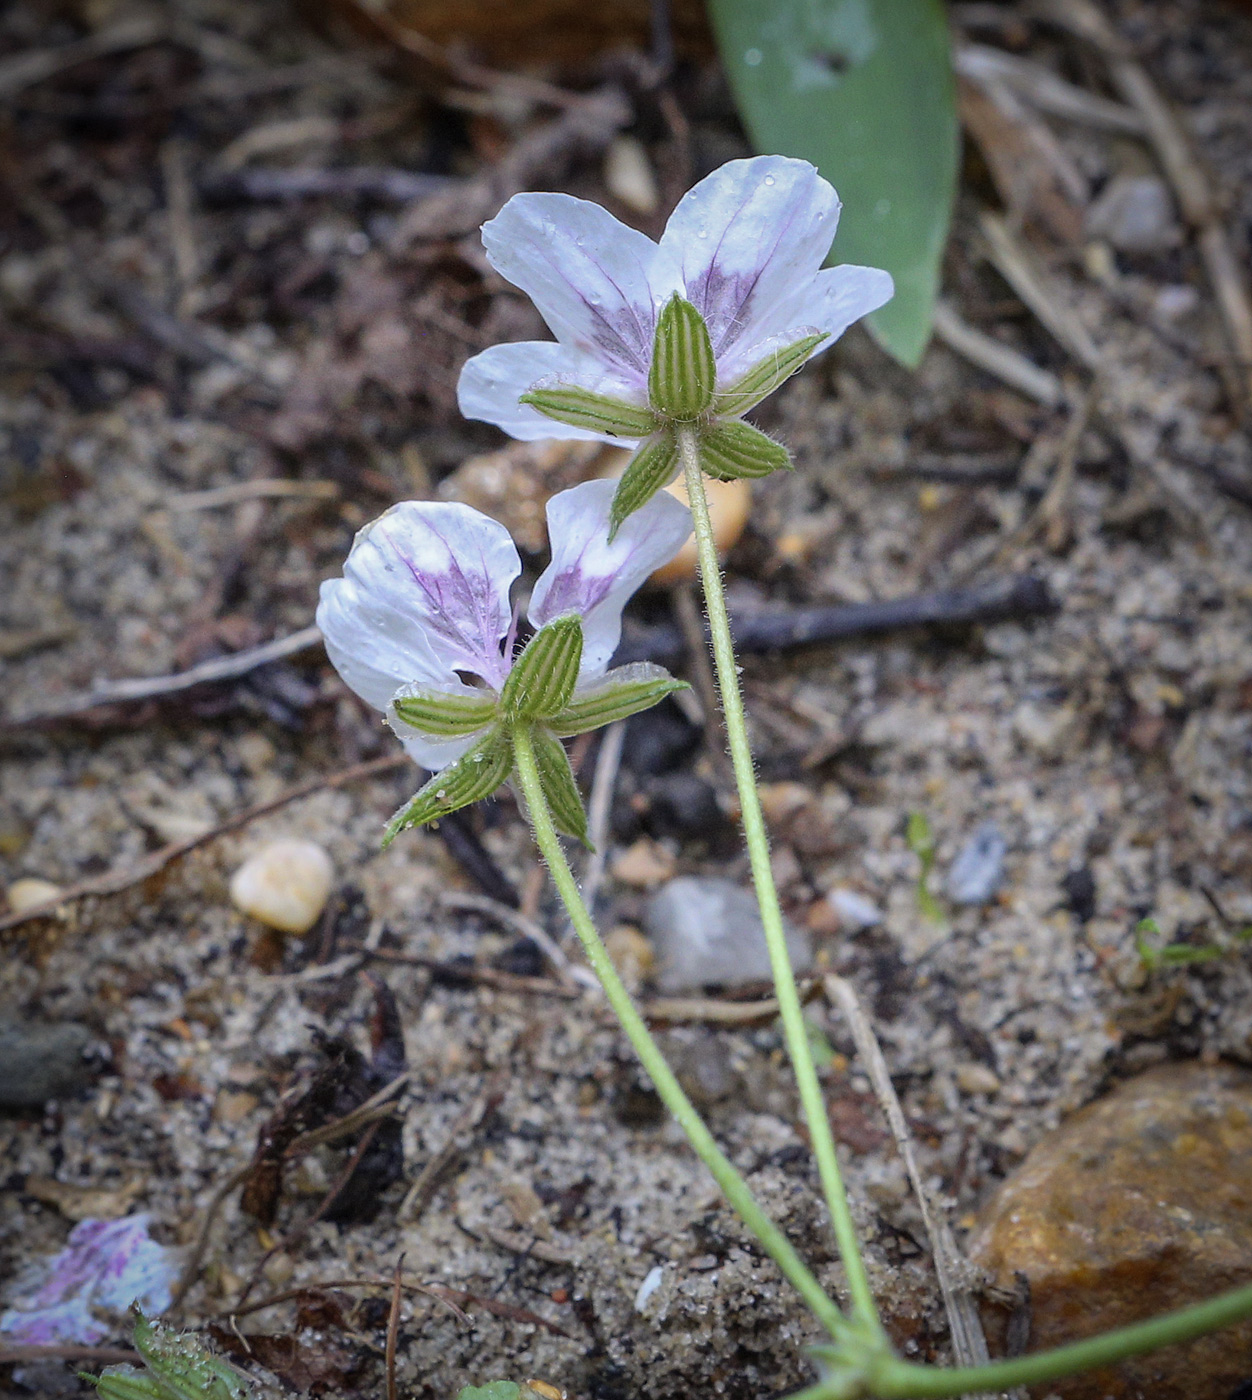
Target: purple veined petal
446 570
594 578
491 384
829 302
745 236
374 646
597 283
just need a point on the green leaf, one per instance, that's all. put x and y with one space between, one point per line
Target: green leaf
543 677
864 90
764 377
448 716
683 374
598 413
733 449
182 1367
475 775
125 1383
557 780
620 694
654 465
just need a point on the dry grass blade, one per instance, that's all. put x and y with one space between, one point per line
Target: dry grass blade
520 924
24 70
996 358
393 1329
968 1342
1046 91
603 782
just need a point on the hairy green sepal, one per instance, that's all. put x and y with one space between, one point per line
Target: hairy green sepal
445 716
622 693
683 376
653 466
179 1367
475 775
493 1390
542 680
732 449
598 413
559 788
764 377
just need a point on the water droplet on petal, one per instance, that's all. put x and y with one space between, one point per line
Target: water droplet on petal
769 179
753 58
702 233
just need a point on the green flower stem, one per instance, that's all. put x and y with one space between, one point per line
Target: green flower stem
757 840
733 1185
889 1378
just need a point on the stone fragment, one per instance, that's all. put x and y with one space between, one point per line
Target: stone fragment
856 911
1135 213
39 1062
628 175
29 893
973 1078
975 874
708 930
643 865
284 885
1139 1203
631 954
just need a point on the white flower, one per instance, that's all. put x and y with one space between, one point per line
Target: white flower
744 247
424 602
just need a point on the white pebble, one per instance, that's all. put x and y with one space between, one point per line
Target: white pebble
285 884
30 892
856 911
628 175
651 1282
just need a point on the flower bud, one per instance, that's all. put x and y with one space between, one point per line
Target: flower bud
683 376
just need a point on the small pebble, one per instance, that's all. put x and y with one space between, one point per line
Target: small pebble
643 865
975 875
285 884
708 930
30 893
1135 213
651 1282
628 175
42 1062
973 1078
856 911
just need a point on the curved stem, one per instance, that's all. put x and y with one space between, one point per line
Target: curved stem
757 840
893 1379
733 1185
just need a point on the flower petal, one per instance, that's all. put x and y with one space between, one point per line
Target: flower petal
829 302
593 578
745 236
597 283
431 579
492 383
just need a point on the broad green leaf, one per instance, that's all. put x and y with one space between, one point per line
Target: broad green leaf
864 90
543 677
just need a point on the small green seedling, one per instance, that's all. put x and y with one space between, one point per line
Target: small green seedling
1154 953
177 1366
921 842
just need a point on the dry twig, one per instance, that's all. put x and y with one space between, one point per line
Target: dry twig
996 358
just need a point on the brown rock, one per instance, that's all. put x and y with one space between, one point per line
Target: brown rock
1138 1204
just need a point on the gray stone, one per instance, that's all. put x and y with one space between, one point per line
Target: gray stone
975 874
39 1062
1135 213
708 930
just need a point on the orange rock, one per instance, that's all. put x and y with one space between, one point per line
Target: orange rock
1138 1204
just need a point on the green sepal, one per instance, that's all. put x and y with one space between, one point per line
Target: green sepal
542 680
475 775
654 465
732 449
183 1367
446 716
764 377
125 1383
598 413
683 376
620 694
556 777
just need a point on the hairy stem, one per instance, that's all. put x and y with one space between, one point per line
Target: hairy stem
892 1379
733 1185
794 1030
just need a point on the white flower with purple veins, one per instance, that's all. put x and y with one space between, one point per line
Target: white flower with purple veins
424 603
694 330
